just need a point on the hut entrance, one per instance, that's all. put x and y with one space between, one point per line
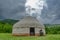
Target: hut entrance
32 31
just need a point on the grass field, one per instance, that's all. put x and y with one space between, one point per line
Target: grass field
8 36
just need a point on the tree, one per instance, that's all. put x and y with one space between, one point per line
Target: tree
7 28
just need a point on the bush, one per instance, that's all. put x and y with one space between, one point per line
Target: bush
7 28
1 27
52 29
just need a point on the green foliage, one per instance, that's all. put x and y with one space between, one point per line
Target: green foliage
6 25
52 29
7 28
1 27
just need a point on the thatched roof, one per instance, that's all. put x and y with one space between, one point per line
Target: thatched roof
29 22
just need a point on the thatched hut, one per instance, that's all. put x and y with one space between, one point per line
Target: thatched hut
28 26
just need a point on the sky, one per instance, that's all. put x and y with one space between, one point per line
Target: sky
15 9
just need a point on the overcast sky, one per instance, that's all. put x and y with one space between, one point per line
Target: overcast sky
15 9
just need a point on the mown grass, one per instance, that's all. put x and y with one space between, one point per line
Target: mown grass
8 36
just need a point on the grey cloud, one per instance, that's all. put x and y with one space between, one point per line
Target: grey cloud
15 9
11 7
51 14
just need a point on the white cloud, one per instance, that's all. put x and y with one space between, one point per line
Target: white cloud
36 5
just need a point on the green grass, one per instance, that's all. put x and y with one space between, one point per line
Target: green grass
8 36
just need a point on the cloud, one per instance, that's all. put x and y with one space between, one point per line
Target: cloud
15 9
51 14
11 8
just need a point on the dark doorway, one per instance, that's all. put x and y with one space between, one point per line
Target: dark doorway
32 31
